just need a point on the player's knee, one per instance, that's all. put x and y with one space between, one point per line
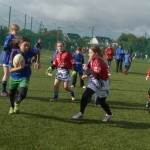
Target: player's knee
102 101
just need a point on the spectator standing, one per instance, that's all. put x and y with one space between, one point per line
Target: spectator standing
120 52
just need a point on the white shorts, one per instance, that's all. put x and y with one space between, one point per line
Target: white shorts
100 87
5 65
63 74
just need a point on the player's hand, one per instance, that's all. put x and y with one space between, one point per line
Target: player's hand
147 77
85 67
37 65
21 65
83 77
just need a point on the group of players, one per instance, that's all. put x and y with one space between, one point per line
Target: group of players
95 70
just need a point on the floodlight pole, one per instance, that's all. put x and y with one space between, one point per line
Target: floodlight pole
58 33
9 16
92 31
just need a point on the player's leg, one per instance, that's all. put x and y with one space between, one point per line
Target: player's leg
81 81
5 80
74 80
56 89
148 102
23 84
13 85
121 65
117 65
105 106
67 88
84 101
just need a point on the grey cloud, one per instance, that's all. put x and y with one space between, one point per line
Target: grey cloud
129 14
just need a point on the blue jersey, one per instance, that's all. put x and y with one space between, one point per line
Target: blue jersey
5 55
79 61
127 60
25 73
120 52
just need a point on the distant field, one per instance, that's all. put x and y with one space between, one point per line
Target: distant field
42 125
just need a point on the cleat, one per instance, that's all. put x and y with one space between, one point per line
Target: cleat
107 118
11 110
78 116
53 100
148 104
16 109
72 96
4 94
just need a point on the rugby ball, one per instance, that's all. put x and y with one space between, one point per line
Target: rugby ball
18 58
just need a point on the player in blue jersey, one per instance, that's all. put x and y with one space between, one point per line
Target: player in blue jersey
20 76
79 59
14 29
38 45
127 62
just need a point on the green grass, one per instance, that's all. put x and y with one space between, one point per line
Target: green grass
42 125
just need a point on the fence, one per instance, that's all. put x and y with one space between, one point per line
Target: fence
36 28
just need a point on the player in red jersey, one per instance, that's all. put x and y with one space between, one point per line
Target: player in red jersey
99 83
109 53
148 102
64 62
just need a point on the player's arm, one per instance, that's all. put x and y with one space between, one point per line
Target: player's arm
20 67
106 52
90 72
11 67
37 64
148 74
36 53
73 62
7 44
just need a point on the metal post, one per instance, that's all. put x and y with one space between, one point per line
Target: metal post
58 33
31 23
40 28
25 19
92 31
9 16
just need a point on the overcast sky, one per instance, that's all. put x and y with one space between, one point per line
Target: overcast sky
126 15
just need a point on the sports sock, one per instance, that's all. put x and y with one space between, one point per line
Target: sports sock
55 95
4 84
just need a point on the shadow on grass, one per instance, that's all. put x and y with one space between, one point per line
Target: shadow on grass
129 125
112 104
126 106
47 99
117 103
67 120
116 124
139 73
124 90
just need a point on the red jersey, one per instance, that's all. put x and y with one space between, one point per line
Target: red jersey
109 52
99 67
148 73
64 60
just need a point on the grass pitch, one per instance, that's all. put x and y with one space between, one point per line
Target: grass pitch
42 125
